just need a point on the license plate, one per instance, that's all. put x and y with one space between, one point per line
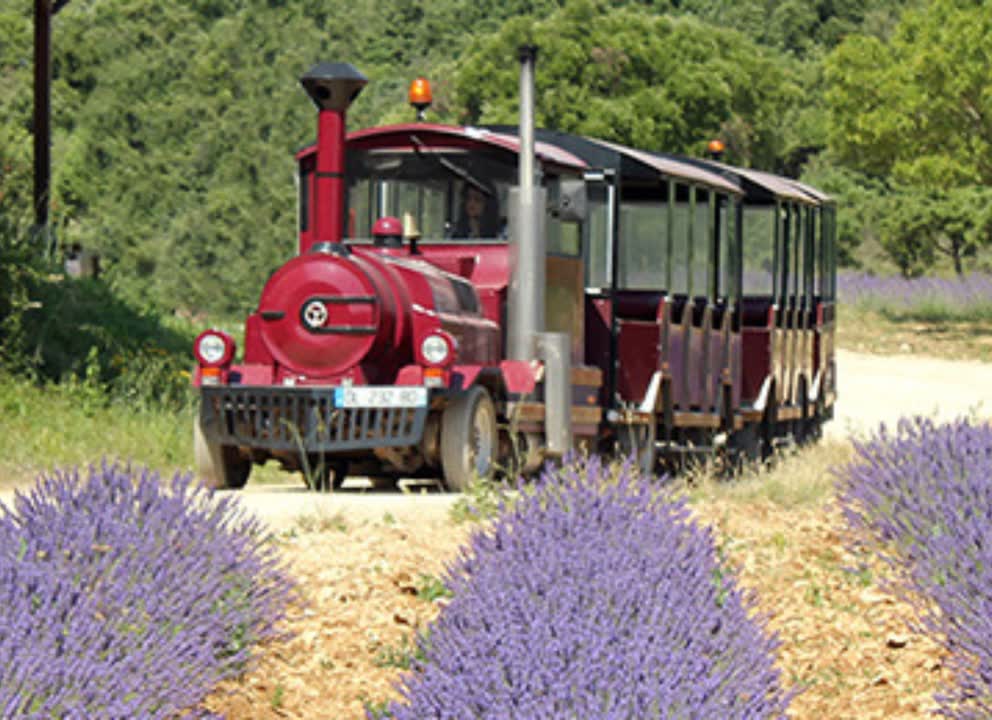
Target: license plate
380 397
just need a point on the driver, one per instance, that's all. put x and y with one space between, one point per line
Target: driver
480 213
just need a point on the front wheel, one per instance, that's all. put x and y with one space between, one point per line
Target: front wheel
219 467
469 439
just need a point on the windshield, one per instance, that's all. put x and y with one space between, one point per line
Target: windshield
450 194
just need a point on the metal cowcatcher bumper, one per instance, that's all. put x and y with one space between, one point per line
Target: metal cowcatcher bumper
303 419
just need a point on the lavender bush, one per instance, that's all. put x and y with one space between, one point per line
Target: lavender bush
922 498
593 596
923 298
125 596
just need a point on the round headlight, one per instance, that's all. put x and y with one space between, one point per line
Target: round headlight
435 349
211 349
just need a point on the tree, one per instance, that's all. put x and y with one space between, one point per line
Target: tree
658 82
921 225
920 109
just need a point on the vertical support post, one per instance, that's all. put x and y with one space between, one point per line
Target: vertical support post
42 119
527 241
555 349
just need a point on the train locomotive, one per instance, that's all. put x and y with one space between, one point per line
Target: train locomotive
469 300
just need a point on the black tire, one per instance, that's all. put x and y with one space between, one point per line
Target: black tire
469 439
219 467
639 441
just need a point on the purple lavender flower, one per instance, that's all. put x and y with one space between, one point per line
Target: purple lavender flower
925 297
922 498
593 597
123 596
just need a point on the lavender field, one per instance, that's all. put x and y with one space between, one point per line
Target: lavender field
925 299
920 498
126 595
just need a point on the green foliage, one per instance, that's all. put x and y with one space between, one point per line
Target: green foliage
175 123
72 423
634 77
920 224
800 27
431 588
79 328
916 109
861 206
918 105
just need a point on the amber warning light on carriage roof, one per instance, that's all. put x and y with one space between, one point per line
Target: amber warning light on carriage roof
420 96
716 148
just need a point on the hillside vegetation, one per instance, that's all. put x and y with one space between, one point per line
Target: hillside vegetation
175 123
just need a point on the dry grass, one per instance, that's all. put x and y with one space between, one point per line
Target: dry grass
869 331
798 479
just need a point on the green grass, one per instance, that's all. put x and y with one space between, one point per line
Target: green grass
797 479
935 333
73 424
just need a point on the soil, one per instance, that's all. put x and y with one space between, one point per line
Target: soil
846 644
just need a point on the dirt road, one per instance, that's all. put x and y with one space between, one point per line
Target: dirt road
872 389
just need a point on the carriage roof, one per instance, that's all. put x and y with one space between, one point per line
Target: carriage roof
439 137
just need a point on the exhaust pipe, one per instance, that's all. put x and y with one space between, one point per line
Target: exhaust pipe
332 87
527 241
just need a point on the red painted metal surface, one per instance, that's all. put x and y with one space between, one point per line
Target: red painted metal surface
328 314
328 185
435 135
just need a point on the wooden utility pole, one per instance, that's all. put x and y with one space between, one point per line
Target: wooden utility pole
43 12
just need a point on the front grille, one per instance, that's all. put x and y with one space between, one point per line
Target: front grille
302 419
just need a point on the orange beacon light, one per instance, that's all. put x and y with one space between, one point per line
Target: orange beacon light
420 96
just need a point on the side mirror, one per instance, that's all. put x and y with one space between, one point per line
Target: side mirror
572 203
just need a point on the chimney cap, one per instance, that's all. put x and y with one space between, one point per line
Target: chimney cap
333 86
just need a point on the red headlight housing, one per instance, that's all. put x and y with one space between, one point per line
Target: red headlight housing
214 349
437 349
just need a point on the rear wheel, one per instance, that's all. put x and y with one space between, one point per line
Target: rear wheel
218 466
468 439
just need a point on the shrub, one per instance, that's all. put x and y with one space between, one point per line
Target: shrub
124 596
593 595
921 498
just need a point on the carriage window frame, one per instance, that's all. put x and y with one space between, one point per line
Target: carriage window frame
598 233
564 237
644 206
759 272
303 199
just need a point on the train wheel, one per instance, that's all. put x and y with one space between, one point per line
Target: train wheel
468 439
639 441
219 467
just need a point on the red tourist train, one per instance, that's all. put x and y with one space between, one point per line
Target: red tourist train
466 300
